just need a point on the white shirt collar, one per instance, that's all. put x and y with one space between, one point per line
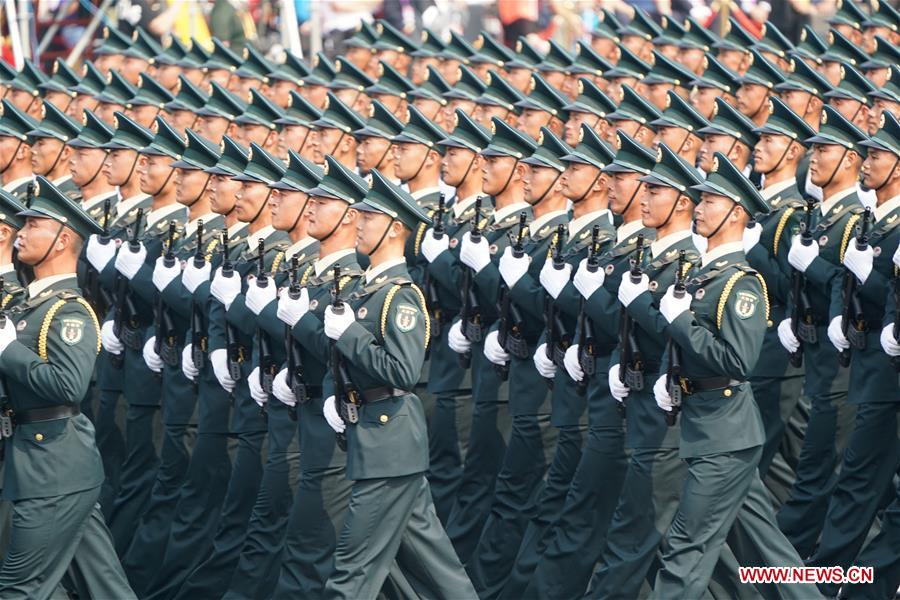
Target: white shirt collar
657 247
39 285
61 180
161 213
326 262
539 222
236 229
886 208
424 192
93 201
16 183
720 251
297 246
776 188
829 203
502 213
626 230
460 206
373 272
123 206
191 228
252 240
7 268
576 225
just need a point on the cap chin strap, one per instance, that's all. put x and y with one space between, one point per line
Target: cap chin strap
303 143
671 212
836 167
338 143
133 165
202 191
12 158
508 179
165 183
547 191
261 207
780 160
760 107
421 166
383 236
56 162
722 224
336 225
887 178
50 247
91 180
588 190
633 196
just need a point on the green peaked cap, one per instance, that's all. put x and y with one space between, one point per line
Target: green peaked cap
15 123
166 141
55 124
591 100
697 36
222 57
891 89
673 171
94 134
261 167
679 113
607 25
725 179
847 13
587 61
773 41
92 80
550 152
196 56
338 115
735 38
28 79
806 79
490 51
526 56
631 157
545 98
835 129
883 15
10 209
322 71
457 48
783 121
634 107
885 55
117 90
887 137
199 155
188 96
500 93
671 33
381 123
150 93
727 120
299 111
301 175
64 79
853 86
556 59
761 72
364 36
174 53
390 82
49 202
811 45
420 130
349 77
390 38
254 66
340 183
143 46
641 25
128 135
260 111
431 45
390 199
466 134
232 159
716 75
292 69
629 65
114 42
508 141
433 88
591 149
222 103
668 71
7 72
468 86
843 50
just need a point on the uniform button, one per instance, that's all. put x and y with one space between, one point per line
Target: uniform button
39 437
728 393
383 418
769 323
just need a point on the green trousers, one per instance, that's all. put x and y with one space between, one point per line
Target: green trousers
776 398
49 534
389 518
447 434
110 443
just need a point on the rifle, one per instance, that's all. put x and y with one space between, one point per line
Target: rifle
895 360
586 351
267 365
510 320
6 426
98 296
433 298
802 324
123 301
198 339
852 310
162 329
292 349
631 365
557 338
469 312
346 395
234 349
673 370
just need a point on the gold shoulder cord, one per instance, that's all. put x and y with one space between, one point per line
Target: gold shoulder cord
387 306
420 233
765 290
782 223
726 292
209 249
48 320
278 258
552 244
306 275
6 298
848 231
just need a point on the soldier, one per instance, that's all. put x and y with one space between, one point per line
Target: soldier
216 118
349 85
220 66
257 123
757 84
463 94
490 54
520 69
15 150
455 53
773 46
52 463
296 131
730 133
588 65
638 34
182 108
590 107
375 149
49 152
58 89
334 133
499 99
665 76
24 90
148 101
114 96
390 89
138 55
679 128
86 163
286 77
251 74
633 116
554 68
716 81
803 91
840 50
695 45
315 84
543 107
629 70
733 49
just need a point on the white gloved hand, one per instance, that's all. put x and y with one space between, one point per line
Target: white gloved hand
99 254
337 324
192 277
786 336
456 340
7 334
751 236
108 339
628 290
586 282
889 342
257 298
225 289
543 364
553 279
128 263
281 389
572 364
859 261
188 367
151 358
801 256
432 247
512 269
334 420
163 275
661 394
618 389
475 256
836 335
671 307
219 360
258 394
493 351
290 310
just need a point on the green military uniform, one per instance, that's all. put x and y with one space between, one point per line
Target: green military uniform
52 469
56 124
15 123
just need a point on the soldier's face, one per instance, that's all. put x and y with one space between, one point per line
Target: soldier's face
371 227
258 134
704 100
190 185
325 141
325 214
668 50
212 128
623 190
240 86
467 106
485 112
878 77
854 111
106 112
878 168
395 104
359 57
496 173
692 59
457 165
420 68
45 154
578 179
143 115
539 183
80 103
195 76
61 101
119 166
614 90
826 159
480 70
751 98
831 70
9 149
657 202
224 193
769 150
315 94
731 59
285 207
531 121
797 100
555 79
712 143
156 174
85 164
182 120
635 130
167 75
573 126
708 215
880 105
374 153
25 102
408 160
297 138
220 76
519 78
673 137
131 68
447 69
249 200
280 92
635 44
657 93
430 108
36 238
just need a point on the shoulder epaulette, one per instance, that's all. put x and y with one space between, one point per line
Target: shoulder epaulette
729 286
385 309
65 297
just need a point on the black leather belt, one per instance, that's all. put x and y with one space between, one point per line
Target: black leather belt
706 384
380 393
51 413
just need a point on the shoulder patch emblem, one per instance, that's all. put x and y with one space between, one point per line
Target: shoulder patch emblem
745 304
406 317
21 325
71 331
362 312
698 295
313 303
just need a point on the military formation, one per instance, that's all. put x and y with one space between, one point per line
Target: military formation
454 320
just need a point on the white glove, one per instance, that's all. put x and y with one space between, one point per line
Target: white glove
334 420
257 298
192 277
99 254
128 263
661 394
225 289
671 307
456 340
432 247
896 257
219 360
289 310
570 362
493 351
751 236
163 275
787 338
188 367
889 342
859 261
256 391
511 268
543 364
151 358
108 339
553 279
475 256
7 334
337 324
801 256
586 282
618 389
836 335
281 389
628 291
